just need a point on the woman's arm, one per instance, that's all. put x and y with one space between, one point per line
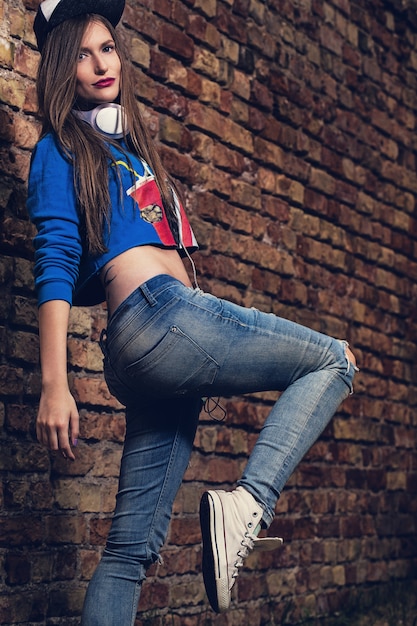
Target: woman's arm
58 421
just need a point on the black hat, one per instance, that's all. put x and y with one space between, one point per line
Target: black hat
51 13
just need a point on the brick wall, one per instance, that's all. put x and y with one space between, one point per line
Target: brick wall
290 127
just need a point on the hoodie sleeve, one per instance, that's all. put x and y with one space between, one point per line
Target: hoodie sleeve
52 207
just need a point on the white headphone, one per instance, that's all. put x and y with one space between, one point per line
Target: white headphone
106 118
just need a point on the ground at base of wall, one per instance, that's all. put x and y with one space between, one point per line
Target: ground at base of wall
395 605
392 604
378 617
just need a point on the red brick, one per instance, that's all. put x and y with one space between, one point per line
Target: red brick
141 20
203 31
26 61
66 529
176 42
93 392
154 595
17 569
99 529
299 177
19 418
22 530
11 380
232 25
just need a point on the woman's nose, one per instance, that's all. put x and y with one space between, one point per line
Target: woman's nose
101 66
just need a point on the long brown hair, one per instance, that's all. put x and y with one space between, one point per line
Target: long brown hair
85 148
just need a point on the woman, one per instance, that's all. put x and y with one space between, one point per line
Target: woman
110 226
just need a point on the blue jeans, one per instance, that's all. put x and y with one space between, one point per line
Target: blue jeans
166 347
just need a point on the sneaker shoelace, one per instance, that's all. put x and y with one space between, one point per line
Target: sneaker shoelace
247 544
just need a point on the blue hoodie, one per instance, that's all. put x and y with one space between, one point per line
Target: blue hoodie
63 268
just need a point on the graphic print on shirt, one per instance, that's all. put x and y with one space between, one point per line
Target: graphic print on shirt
148 199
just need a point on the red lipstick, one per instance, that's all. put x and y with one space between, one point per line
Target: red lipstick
105 82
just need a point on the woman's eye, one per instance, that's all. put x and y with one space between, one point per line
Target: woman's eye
108 48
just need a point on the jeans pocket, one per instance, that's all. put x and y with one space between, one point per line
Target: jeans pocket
177 365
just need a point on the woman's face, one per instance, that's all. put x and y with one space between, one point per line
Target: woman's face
99 67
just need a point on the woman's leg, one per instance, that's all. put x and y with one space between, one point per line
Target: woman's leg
158 444
318 373
173 341
296 421
178 342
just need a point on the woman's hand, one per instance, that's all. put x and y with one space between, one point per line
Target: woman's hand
57 425
58 421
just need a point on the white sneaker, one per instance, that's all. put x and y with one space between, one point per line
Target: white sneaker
230 523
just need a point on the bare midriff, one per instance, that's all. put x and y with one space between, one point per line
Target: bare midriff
123 274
